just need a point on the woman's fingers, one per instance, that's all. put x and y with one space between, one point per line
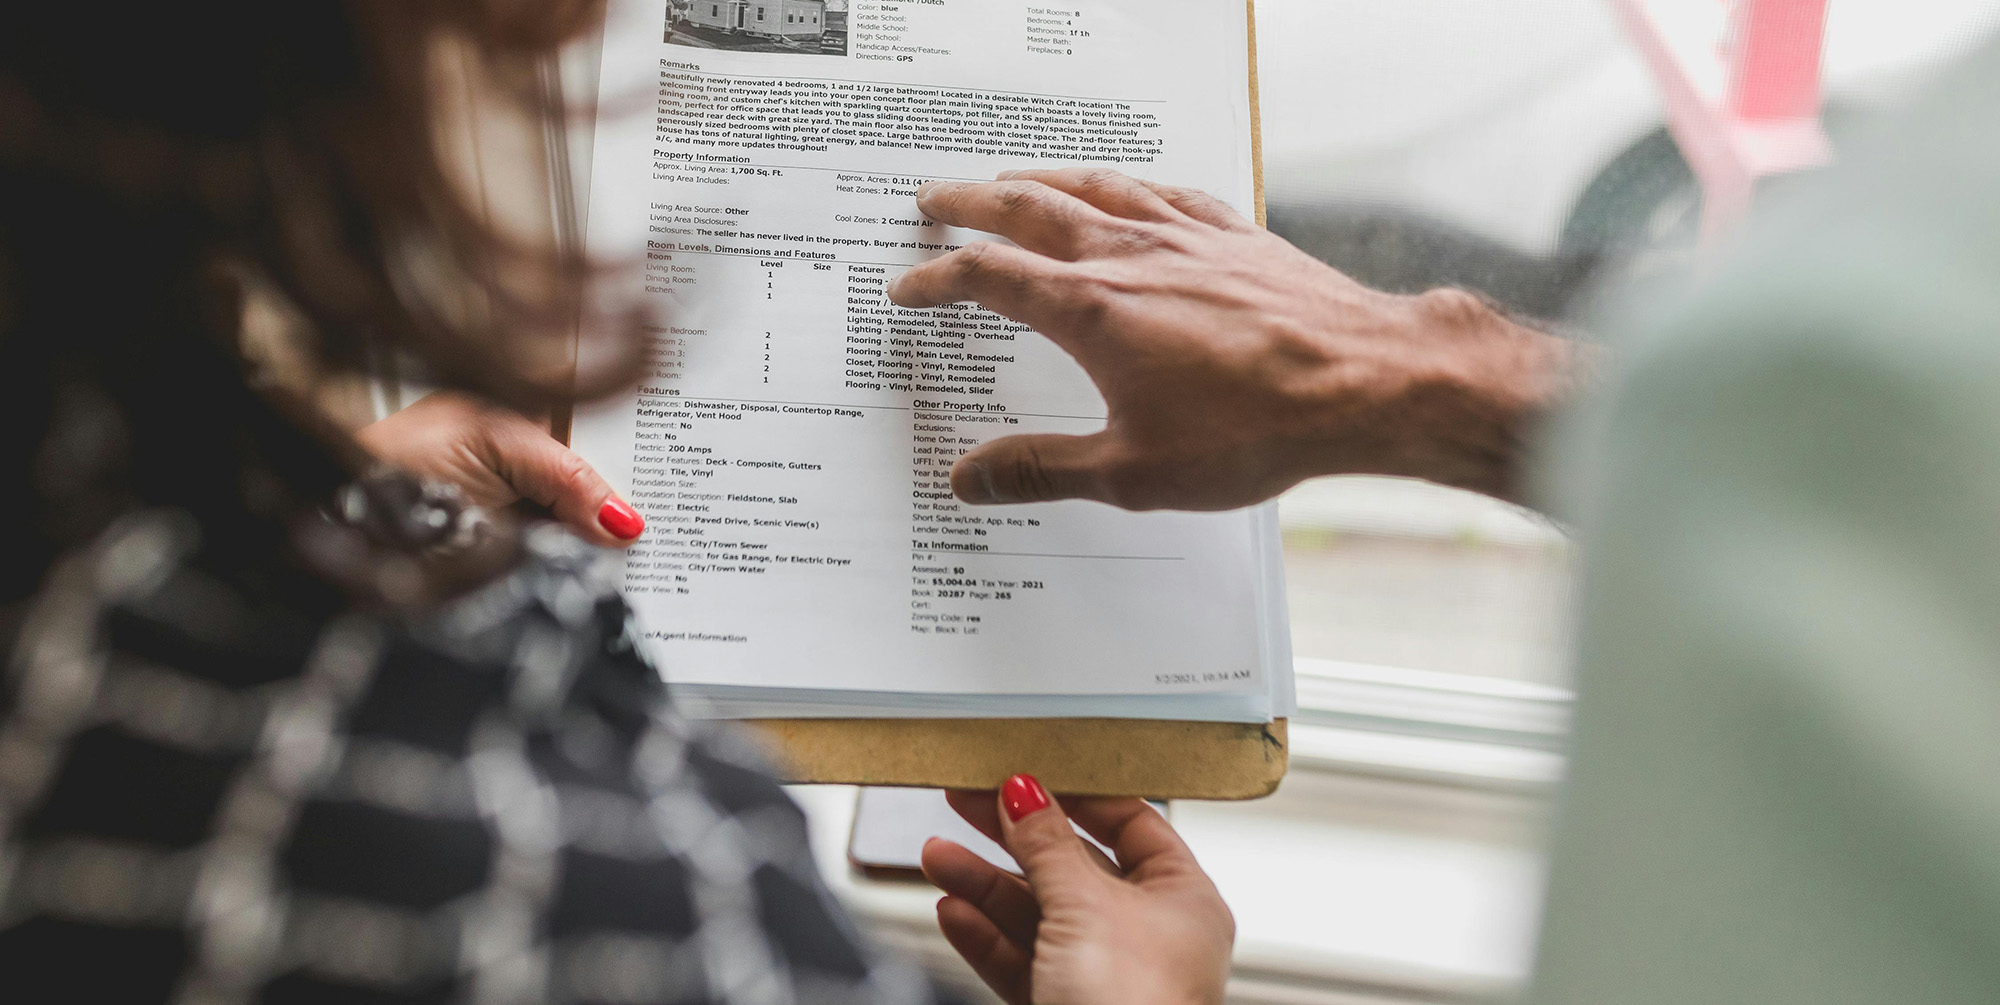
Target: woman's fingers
979 809
1033 829
1146 845
499 456
1000 895
1004 966
547 472
1096 938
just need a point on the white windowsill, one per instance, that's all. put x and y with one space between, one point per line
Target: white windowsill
1400 861
1346 888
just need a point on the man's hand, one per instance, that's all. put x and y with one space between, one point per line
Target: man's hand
1148 929
500 457
1233 364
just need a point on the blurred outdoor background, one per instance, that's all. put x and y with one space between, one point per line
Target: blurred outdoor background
1516 148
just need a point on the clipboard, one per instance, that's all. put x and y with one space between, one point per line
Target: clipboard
1155 759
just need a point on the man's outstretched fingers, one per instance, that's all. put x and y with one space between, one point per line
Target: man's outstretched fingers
1200 205
1028 213
1114 192
1039 467
1029 288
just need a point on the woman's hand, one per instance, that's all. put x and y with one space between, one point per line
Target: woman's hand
1081 930
1233 364
499 457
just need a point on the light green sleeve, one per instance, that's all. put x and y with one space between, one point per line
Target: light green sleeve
1786 771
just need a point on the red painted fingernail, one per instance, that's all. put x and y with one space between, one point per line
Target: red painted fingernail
618 517
1023 795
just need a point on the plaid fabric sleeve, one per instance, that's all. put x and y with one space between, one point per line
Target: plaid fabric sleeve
206 798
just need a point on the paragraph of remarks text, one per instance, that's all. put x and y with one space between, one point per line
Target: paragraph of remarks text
816 115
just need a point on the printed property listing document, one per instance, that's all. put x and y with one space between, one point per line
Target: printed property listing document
791 447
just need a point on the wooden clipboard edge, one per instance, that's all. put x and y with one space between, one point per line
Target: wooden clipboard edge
1156 759
1256 117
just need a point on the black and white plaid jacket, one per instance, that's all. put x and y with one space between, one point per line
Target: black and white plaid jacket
206 798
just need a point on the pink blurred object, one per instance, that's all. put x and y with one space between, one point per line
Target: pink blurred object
1741 83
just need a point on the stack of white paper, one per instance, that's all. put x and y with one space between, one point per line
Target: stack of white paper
790 449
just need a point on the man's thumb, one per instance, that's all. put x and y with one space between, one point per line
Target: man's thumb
1034 468
1038 835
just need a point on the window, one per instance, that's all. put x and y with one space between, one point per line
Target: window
1423 615
714 10
1518 149
760 13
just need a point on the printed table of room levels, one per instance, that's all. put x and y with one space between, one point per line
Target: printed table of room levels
798 433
